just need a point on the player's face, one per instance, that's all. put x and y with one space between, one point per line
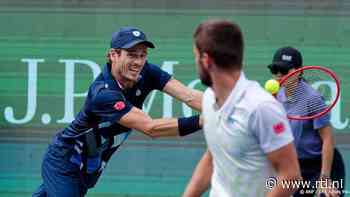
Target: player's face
131 62
201 68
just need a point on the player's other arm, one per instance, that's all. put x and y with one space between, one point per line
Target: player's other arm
284 161
111 106
191 97
165 127
323 125
138 120
270 125
327 159
201 177
327 150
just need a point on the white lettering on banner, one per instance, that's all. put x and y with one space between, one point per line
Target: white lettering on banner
70 95
147 107
336 111
32 92
69 86
168 100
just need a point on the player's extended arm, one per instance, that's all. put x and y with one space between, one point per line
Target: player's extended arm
201 177
138 120
191 97
327 150
284 161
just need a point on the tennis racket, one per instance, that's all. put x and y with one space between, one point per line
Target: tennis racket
312 90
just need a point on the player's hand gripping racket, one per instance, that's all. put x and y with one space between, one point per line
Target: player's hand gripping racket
310 89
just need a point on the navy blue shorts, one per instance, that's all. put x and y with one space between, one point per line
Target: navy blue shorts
60 176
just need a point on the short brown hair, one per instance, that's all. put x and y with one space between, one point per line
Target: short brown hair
108 55
223 41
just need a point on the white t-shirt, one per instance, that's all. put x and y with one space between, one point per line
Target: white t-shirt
250 124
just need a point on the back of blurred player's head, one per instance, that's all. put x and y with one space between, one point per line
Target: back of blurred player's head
223 41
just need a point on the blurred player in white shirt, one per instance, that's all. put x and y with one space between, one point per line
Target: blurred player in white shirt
248 136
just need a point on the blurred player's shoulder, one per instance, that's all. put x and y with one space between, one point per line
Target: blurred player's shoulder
208 102
255 94
208 97
259 98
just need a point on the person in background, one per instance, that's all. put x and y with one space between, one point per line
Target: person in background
319 160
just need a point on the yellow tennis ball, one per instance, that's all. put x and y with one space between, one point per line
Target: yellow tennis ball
272 86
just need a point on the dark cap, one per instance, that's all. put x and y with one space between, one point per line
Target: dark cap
128 37
287 56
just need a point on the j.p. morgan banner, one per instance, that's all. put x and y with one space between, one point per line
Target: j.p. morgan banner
34 66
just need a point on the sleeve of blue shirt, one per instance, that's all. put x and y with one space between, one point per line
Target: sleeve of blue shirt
317 105
110 105
157 76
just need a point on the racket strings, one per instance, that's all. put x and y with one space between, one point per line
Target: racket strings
317 94
306 105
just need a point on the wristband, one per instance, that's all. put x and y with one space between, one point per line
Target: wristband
188 125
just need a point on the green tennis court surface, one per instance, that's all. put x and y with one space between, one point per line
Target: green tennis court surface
141 168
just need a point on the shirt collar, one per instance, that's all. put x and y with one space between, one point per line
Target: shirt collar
236 95
110 82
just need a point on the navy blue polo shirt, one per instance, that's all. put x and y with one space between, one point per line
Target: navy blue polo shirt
306 134
97 121
106 102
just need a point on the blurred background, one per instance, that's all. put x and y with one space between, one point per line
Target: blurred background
50 51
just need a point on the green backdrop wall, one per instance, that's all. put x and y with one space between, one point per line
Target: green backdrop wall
51 50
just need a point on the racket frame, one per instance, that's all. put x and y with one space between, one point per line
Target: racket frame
324 69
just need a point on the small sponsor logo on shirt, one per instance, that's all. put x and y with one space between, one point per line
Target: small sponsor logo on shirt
120 105
279 128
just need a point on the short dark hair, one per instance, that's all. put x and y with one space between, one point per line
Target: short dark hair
108 55
222 40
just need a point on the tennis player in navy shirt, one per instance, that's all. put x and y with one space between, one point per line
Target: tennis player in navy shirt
78 154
